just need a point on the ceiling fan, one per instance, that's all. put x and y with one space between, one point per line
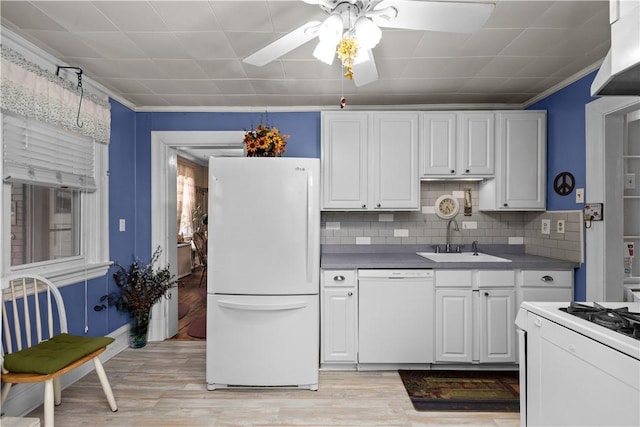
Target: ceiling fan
352 29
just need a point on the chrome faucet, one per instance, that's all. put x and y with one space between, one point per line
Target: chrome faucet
447 247
474 247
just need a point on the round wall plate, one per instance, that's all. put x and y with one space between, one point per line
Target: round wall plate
447 206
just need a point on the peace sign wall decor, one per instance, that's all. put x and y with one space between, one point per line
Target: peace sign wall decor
564 183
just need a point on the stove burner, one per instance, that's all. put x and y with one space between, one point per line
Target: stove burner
617 319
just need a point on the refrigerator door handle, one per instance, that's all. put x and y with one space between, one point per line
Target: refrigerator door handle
309 227
296 305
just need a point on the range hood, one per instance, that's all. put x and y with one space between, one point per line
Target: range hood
620 70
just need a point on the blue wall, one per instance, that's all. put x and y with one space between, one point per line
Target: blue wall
566 149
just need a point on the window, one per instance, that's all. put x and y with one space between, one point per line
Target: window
186 199
45 223
55 186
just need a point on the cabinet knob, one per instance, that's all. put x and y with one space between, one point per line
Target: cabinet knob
505 204
547 279
338 278
350 294
486 294
467 170
453 171
378 205
364 206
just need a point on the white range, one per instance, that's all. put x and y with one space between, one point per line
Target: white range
574 372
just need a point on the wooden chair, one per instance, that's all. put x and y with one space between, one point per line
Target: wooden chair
36 346
200 241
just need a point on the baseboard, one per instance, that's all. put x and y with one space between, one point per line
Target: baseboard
24 398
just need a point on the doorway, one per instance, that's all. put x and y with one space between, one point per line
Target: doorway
607 131
164 153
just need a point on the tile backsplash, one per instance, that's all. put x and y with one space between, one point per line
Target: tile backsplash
425 228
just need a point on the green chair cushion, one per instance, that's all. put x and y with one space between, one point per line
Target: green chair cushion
54 354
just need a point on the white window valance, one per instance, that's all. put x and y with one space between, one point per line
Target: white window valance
34 92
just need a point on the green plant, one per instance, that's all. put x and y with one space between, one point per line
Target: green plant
139 287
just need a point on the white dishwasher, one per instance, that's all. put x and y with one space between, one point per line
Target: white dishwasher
395 316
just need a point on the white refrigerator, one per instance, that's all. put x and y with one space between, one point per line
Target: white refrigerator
263 272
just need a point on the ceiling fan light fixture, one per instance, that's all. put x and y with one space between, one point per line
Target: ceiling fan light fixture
361 56
331 29
325 52
367 33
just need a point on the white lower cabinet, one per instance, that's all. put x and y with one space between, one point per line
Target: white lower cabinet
339 306
475 314
497 325
454 339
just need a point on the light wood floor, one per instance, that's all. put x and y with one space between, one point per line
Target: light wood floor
163 384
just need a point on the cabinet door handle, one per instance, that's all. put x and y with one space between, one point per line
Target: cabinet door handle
338 278
547 279
350 294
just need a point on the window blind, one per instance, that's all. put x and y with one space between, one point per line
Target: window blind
38 153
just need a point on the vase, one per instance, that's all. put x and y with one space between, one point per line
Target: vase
138 331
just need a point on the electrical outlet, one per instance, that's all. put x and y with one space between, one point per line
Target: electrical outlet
579 195
560 226
545 226
469 225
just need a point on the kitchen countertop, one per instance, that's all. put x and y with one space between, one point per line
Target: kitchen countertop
404 256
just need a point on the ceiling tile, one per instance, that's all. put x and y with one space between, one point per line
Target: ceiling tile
181 68
243 16
516 14
27 16
205 45
136 16
110 45
159 45
66 44
564 14
187 15
222 68
76 15
534 41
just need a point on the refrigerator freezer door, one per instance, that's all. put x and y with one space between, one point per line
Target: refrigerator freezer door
264 226
262 341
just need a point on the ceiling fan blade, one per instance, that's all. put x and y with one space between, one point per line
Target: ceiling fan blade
365 72
284 44
433 16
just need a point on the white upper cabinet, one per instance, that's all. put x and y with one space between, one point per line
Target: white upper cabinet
521 160
394 161
344 160
370 161
457 144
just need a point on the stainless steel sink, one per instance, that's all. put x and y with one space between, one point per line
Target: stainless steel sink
461 257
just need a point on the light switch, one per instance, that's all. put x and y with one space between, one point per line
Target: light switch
123 224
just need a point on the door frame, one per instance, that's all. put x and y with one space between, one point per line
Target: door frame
164 166
605 127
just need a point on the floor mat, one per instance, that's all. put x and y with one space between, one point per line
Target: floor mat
483 391
183 309
198 327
